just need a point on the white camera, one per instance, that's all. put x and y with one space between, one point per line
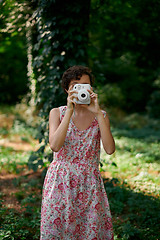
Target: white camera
83 95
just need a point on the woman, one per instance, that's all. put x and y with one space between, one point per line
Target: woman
75 204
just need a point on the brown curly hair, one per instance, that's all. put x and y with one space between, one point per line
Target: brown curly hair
75 73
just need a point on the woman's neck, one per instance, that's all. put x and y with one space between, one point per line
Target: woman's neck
79 110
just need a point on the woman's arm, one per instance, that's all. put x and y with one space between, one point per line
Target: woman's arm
57 129
106 135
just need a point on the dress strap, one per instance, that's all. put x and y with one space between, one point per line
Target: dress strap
104 113
62 110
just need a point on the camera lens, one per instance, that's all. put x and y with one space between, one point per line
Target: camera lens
83 95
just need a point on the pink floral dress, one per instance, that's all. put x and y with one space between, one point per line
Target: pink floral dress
74 204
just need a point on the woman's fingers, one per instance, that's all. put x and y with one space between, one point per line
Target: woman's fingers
73 102
69 89
94 95
70 93
90 91
72 97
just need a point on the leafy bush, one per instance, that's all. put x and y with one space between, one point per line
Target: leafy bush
153 105
110 96
17 226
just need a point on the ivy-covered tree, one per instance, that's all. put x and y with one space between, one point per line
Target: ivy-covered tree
62 38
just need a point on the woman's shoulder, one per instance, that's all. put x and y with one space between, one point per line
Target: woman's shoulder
59 111
54 113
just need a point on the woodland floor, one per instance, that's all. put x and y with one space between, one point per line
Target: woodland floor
131 177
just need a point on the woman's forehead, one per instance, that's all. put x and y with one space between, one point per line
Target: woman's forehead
83 79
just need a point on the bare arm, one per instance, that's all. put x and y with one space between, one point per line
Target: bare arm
57 129
106 135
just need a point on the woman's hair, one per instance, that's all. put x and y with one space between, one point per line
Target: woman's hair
75 73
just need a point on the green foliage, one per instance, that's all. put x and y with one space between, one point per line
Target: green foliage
13 56
135 214
24 225
110 95
124 46
10 158
153 103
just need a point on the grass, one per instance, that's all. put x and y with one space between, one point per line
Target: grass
131 178
135 162
13 161
133 186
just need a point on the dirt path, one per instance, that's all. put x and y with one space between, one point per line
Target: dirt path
8 189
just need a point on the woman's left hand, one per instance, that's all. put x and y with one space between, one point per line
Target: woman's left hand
94 105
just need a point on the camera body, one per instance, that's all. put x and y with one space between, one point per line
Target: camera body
83 95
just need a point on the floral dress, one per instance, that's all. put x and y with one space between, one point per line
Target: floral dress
74 204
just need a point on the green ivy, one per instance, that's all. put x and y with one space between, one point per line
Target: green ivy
61 42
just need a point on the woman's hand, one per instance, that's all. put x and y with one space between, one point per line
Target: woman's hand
70 98
94 105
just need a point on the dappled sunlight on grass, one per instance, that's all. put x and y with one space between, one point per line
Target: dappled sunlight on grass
136 163
132 181
13 161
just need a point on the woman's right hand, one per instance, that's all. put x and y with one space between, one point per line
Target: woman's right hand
70 98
